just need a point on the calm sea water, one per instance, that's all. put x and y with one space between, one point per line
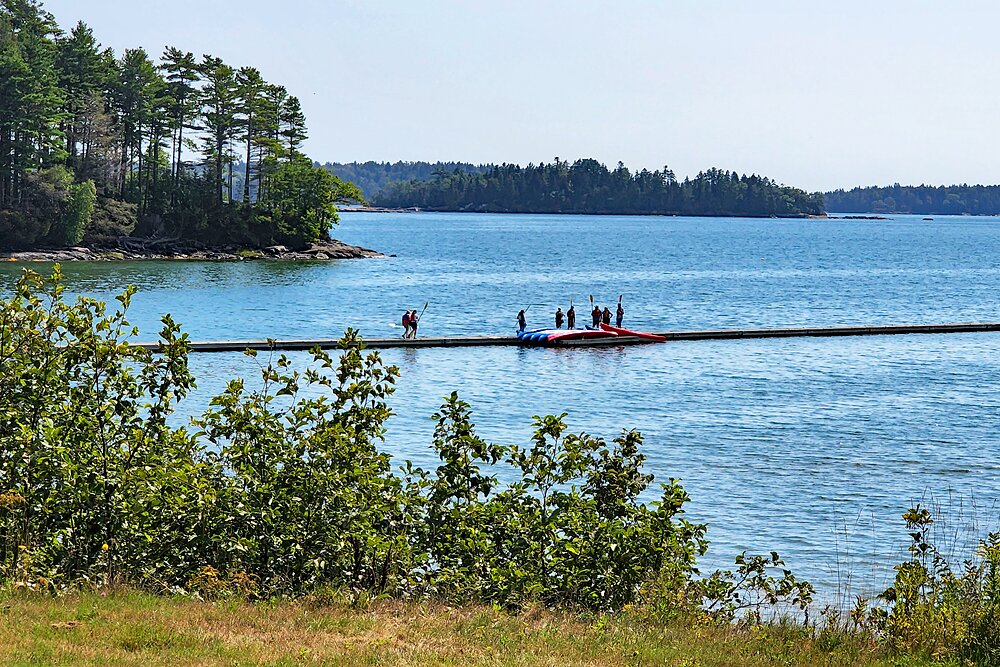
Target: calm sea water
811 447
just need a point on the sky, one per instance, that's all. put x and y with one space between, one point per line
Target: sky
820 95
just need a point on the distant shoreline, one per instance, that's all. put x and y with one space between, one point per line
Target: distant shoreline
138 249
380 209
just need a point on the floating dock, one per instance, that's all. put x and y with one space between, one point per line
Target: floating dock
512 341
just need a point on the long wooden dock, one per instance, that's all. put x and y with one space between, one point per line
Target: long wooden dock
492 341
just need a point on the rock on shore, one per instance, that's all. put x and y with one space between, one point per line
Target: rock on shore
130 249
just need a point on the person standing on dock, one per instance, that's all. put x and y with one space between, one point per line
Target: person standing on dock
522 322
595 315
414 318
559 318
606 316
406 324
619 315
571 317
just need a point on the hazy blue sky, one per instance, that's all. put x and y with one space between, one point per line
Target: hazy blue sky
819 95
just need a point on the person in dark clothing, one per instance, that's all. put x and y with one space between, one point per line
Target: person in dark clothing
559 318
619 315
606 315
571 317
595 315
406 324
522 322
414 318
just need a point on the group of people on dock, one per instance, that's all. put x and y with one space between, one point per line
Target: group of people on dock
410 320
598 316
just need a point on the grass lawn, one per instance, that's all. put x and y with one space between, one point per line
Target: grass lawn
137 629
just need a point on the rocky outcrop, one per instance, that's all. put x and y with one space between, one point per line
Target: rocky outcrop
127 248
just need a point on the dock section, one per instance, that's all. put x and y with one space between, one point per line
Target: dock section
512 341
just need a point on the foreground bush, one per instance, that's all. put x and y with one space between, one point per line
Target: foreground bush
280 488
932 610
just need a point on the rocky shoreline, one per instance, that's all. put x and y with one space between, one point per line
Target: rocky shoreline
134 249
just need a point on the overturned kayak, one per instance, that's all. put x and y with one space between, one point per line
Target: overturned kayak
552 336
618 331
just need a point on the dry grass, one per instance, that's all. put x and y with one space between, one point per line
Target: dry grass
136 629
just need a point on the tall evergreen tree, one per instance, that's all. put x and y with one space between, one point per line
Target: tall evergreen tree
219 98
181 73
251 87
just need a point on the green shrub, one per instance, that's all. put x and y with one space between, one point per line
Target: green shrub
280 489
112 218
569 531
933 611
78 212
83 436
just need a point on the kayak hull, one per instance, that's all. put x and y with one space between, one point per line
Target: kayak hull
553 336
619 331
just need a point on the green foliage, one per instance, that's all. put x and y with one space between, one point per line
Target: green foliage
55 210
83 436
932 610
127 123
917 199
79 211
754 587
373 177
587 186
302 201
569 531
307 497
281 488
112 218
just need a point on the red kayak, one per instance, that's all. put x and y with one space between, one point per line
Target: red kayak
628 332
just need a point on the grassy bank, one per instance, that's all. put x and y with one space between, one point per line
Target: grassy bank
137 629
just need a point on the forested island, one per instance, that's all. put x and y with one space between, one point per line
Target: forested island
371 177
918 199
96 147
589 187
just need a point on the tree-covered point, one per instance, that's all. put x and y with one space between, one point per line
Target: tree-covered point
372 177
918 199
587 186
94 144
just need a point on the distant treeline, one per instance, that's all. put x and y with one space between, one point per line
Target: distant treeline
587 186
371 177
920 199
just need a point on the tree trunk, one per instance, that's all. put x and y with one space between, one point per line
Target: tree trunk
246 175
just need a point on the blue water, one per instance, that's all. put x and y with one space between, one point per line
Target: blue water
811 447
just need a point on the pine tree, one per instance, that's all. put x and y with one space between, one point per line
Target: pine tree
181 74
218 100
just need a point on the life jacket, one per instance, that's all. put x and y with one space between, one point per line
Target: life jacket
406 319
